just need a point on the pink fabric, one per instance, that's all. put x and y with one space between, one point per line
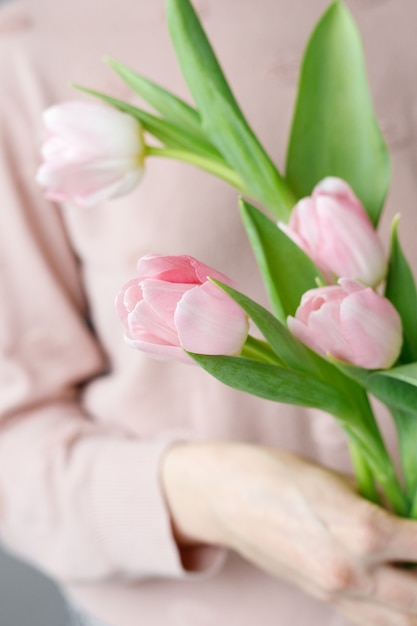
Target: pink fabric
83 419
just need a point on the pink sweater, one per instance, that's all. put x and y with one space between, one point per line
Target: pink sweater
84 419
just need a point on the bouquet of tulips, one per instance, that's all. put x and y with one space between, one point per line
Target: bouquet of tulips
343 318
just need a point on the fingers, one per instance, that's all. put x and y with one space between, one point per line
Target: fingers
374 535
401 544
384 538
386 597
396 589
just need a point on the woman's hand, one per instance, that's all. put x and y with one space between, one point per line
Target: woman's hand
297 521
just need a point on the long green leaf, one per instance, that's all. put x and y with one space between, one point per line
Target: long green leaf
396 387
172 108
401 291
291 352
272 382
166 132
405 373
334 130
286 270
297 357
195 53
221 116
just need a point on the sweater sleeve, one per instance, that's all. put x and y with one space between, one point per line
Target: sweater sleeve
79 498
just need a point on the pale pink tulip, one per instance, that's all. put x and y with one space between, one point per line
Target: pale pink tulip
172 306
334 230
351 322
92 153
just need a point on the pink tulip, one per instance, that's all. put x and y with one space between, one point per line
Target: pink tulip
92 153
334 230
350 322
172 306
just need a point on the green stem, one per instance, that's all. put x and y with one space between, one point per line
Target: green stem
363 473
395 495
259 351
406 426
413 508
380 464
214 166
362 428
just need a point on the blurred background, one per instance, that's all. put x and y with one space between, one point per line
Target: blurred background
26 597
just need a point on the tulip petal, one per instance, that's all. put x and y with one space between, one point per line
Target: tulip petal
92 153
304 223
146 323
373 329
349 243
126 300
325 329
178 269
301 331
334 230
210 322
152 318
163 298
160 313
160 351
204 272
119 188
84 177
172 269
96 128
339 189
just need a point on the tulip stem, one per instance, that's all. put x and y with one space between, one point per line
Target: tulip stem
258 350
213 166
413 508
363 474
375 455
406 425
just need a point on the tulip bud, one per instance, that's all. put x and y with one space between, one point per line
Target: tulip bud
334 230
92 153
172 306
350 322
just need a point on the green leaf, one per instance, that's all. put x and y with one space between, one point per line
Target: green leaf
290 351
405 373
334 130
259 350
358 374
406 425
401 291
194 52
396 387
272 382
166 132
286 270
172 108
221 116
